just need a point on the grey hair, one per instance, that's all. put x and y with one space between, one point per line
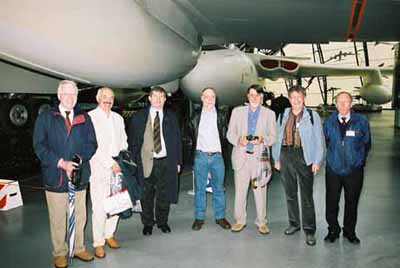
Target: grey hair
62 83
344 93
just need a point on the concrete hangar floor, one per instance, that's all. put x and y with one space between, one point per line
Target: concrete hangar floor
25 237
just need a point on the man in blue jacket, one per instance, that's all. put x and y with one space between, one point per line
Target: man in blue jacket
348 141
59 135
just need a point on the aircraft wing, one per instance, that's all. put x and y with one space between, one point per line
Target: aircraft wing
282 67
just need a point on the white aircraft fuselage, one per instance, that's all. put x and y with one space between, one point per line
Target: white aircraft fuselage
134 44
113 43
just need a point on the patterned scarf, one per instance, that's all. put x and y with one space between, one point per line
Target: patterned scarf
291 135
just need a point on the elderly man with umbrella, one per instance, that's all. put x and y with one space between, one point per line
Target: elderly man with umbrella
60 135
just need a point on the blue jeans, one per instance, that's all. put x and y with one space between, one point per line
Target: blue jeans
213 164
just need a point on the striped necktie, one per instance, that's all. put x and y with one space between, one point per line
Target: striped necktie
157 134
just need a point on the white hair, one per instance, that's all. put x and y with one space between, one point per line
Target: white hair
66 82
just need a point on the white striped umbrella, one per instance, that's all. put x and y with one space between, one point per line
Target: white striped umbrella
71 219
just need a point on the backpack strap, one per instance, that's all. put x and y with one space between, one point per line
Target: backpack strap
311 116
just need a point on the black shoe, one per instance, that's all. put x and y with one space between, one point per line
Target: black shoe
164 228
331 237
223 223
147 230
197 224
352 238
310 239
291 230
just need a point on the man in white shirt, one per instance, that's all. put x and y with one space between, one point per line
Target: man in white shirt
111 139
208 137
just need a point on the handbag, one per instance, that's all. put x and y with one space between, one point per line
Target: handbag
263 172
117 203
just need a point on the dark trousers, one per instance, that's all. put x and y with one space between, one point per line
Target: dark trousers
156 187
294 171
352 184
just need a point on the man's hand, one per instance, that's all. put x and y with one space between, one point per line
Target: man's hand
277 165
68 166
116 168
258 141
315 168
243 141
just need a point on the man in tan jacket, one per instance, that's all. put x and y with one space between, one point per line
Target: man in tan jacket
251 129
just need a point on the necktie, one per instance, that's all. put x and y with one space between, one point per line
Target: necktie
157 134
343 120
67 121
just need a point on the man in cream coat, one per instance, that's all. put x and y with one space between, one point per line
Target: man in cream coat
250 128
111 139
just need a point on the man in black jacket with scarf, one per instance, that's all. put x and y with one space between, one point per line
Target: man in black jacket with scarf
208 138
155 142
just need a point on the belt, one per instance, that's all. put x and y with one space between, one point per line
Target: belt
209 153
249 152
159 158
291 146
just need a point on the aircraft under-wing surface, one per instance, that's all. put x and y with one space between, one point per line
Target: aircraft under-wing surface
231 71
139 43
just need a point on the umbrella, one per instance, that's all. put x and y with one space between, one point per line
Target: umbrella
71 219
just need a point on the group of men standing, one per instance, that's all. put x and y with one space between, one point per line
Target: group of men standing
297 139
65 133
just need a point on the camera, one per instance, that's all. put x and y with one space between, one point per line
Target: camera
76 176
251 138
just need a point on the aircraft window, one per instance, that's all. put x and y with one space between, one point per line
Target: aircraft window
269 64
288 65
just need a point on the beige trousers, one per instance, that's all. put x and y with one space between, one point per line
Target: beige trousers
57 204
102 226
242 182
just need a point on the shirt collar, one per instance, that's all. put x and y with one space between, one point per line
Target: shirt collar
154 110
103 113
213 110
256 111
63 110
347 116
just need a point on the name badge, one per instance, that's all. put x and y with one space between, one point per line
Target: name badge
350 133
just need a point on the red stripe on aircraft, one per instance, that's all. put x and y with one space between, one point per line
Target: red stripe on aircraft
357 11
361 13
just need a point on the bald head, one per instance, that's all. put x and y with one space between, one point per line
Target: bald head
105 99
344 101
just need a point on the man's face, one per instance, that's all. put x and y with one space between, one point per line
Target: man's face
296 100
343 104
208 98
254 98
68 96
157 99
106 100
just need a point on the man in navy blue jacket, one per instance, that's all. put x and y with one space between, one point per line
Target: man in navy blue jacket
155 142
348 141
59 135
